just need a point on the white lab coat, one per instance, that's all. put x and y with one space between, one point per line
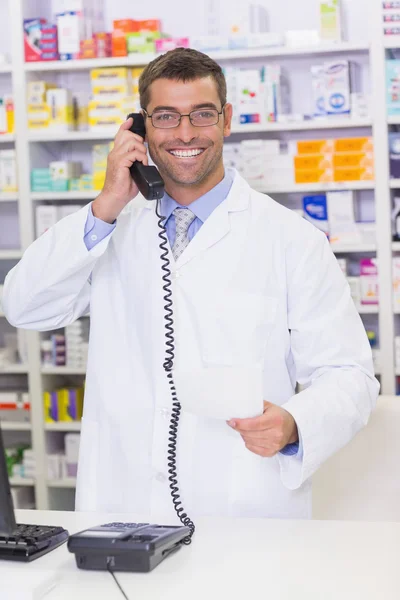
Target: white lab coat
257 287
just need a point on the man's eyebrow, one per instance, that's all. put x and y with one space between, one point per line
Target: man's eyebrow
193 107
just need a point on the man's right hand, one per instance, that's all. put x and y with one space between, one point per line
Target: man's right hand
119 187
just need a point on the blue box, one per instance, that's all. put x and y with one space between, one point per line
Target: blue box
393 87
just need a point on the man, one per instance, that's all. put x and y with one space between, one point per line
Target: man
259 303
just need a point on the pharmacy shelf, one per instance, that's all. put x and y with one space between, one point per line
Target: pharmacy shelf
15 426
109 134
14 369
6 138
59 196
396 246
8 197
10 254
368 309
22 481
61 426
394 184
312 125
68 482
139 60
71 136
338 249
392 43
297 188
394 120
62 371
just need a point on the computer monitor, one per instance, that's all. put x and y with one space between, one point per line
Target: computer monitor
7 517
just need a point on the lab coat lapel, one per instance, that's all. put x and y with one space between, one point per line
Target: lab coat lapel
218 224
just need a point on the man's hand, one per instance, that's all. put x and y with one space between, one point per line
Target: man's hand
268 434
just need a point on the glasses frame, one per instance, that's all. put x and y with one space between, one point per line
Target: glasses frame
219 113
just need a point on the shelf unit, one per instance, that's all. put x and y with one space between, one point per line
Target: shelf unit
22 481
38 376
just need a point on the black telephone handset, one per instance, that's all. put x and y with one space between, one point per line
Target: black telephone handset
147 178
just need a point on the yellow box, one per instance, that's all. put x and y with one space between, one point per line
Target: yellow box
37 90
356 144
353 159
105 121
86 182
313 175
100 154
354 174
108 74
315 146
313 161
118 91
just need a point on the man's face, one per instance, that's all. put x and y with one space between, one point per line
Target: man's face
165 145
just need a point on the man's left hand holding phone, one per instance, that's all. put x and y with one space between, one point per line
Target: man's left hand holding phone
119 188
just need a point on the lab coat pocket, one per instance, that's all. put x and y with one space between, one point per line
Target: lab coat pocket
236 329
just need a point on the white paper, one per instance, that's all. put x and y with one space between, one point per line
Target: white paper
221 392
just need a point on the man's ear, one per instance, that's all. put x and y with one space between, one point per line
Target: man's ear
228 111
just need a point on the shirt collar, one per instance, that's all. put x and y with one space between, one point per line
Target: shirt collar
203 206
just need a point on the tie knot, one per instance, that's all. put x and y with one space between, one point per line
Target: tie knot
183 218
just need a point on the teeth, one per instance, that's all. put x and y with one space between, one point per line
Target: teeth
186 153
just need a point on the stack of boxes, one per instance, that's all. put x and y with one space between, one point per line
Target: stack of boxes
334 214
49 107
77 20
56 178
114 95
100 153
63 462
20 461
7 121
8 171
63 405
15 406
77 344
391 19
47 215
258 95
328 160
40 40
260 162
131 37
336 90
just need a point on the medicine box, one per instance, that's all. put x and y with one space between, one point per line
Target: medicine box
354 174
353 159
316 212
60 106
369 281
356 144
313 161
313 175
311 146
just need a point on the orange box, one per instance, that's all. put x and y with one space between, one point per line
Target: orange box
118 45
313 175
354 174
315 146
313 161
353 159
122 26
148 25
357 144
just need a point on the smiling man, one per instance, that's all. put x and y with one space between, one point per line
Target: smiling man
260 303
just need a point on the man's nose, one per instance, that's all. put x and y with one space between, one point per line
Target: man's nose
185 130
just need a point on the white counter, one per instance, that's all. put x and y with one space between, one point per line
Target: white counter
235 559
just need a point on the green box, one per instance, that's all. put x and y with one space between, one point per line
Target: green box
60 185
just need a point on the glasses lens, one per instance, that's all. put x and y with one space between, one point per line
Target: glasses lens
204 117
164 119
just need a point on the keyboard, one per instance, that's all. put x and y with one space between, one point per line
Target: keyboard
28 542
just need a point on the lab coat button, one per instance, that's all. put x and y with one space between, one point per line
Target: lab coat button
93 238
164 412
161 477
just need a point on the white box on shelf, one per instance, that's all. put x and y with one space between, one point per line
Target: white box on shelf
355 289
46 217
342 225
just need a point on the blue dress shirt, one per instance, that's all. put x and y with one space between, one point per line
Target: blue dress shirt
96 230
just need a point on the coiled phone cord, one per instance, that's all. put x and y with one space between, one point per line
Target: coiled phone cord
168 366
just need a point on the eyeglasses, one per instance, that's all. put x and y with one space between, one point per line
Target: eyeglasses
167 119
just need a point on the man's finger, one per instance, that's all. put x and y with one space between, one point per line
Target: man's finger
253 424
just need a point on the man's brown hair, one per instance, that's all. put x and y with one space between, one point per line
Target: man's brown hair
181 64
